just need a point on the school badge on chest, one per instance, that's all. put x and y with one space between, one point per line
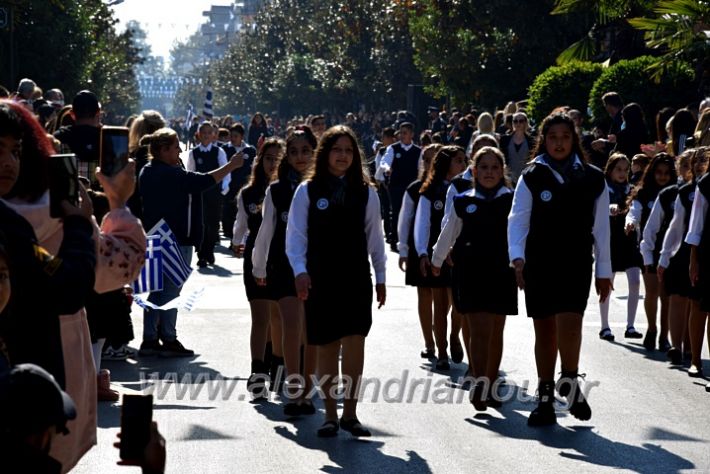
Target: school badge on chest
200 161
691 196
284 216
398 155
546 196
253 208
438 205
322 204
471 208
650 205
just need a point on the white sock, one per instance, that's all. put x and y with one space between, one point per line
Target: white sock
96 352
634 277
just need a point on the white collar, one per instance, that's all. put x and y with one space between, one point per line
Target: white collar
473 192
406 147
541 161
468 174
205 148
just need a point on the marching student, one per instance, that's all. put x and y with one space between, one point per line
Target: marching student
271 267
698 238
660 173
448 162
239 177
334 226
483 284
205 157
400 165
408 258
625 254
674 259
264 311
560 212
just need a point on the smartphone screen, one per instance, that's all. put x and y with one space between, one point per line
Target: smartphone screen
63 183
114 149
136 418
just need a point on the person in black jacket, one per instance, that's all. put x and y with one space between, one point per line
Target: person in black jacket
30 324
634 132
168 192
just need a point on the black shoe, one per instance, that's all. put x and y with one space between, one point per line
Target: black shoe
307 408
210 260
150 348
675 356
478 397
292 409
355 428
442 363
606 335
202 263
632 333
427 354
663 344
568 387
694 371
649 342
329 429
175 349
544 414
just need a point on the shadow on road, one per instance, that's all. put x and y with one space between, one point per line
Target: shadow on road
582 443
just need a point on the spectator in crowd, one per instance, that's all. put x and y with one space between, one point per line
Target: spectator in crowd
257 129
83 136
34 412
613 105
25 90
633 133
517 146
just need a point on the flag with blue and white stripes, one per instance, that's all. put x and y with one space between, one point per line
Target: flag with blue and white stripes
174 265
207 111
151 276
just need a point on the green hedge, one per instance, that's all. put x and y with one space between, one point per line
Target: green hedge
632 80
562 85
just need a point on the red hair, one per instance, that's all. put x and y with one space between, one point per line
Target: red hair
33 181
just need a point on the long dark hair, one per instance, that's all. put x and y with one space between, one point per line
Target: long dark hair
440 165
259 178
558 119
682 125
33 180
304 132
611 164
648 181
634 118
356 175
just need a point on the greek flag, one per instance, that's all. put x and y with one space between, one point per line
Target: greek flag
174 266
207 112
151 277
188 117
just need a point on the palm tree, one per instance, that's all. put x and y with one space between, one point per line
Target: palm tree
680 31
610 36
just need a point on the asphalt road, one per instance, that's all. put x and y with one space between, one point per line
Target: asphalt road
647 416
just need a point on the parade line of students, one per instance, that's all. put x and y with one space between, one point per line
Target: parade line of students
309 226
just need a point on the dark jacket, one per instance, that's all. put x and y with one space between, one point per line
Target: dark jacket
174 194
43 288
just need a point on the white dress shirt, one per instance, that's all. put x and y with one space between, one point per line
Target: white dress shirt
650 232
297 233
221 159
519 224
386 162
698 215
452 228
633 217
674 235
422 224
404 224
240 231
260 254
